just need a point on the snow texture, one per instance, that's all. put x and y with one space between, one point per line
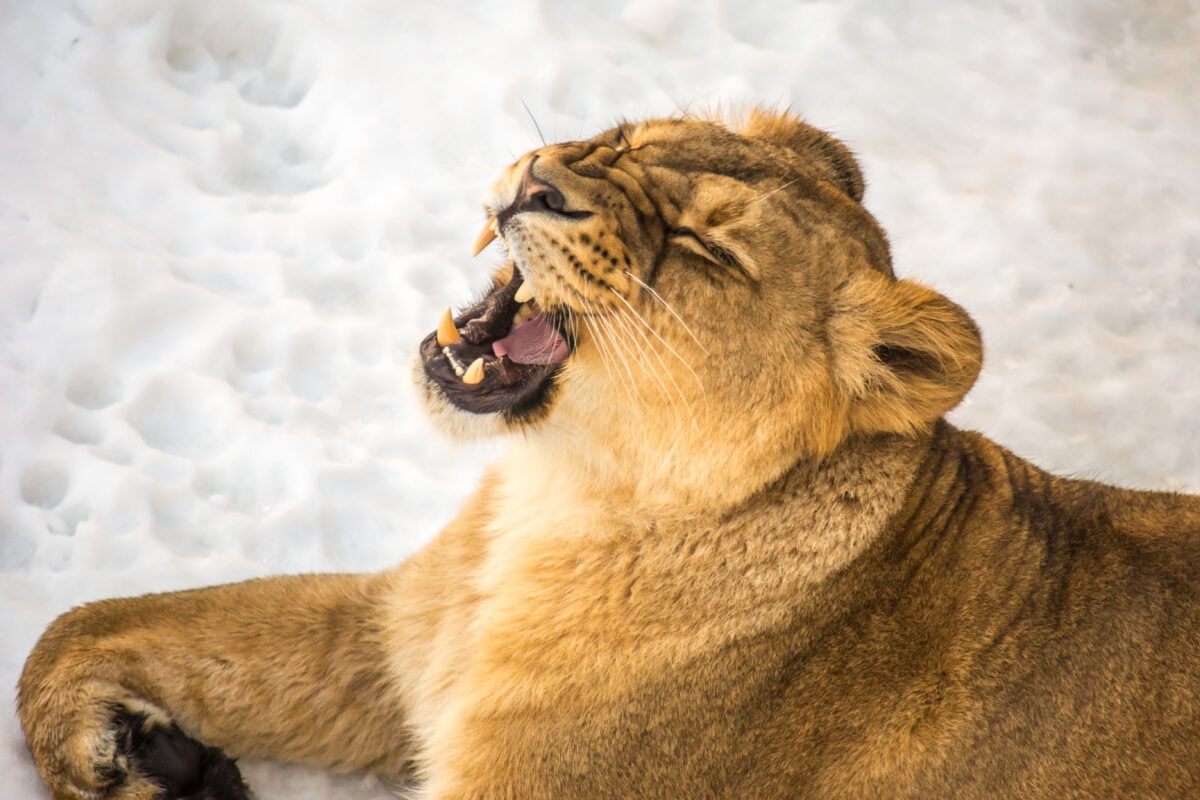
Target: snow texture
225 225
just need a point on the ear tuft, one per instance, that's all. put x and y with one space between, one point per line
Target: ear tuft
826 153
904 354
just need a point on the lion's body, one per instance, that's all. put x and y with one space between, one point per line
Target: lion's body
733 554
1006 634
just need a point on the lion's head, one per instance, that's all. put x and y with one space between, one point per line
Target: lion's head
696 299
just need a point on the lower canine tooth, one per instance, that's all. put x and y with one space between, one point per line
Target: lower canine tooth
524 293
474 372
446 332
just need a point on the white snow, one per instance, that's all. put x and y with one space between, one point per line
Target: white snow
225 225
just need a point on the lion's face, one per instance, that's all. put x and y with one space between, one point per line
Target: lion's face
697 287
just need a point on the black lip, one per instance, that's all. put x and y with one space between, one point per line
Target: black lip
518 391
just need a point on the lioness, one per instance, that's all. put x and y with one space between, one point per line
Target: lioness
734 551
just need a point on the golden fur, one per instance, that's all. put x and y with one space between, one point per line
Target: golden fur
734 552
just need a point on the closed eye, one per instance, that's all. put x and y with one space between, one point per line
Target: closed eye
709 250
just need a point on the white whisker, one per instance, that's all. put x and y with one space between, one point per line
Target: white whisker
765 195
604 334
665 343
631 330
668 307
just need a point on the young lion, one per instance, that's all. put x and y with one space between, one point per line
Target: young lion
733 553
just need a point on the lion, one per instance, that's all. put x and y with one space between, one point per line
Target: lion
733 550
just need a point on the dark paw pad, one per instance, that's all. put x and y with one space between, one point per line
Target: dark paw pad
185 768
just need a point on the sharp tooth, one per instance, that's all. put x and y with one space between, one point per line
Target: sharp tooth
524 292
453 361
523 313
446 332
474 372
486 236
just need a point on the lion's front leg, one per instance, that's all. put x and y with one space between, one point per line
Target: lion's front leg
144 697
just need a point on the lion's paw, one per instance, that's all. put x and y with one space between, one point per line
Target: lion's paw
181 767
119 753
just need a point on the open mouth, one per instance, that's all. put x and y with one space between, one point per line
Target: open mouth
499 356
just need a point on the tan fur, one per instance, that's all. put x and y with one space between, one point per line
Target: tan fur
737 554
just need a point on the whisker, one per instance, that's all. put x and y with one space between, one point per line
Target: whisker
630 385
668 307
601 345
607 350
665 343
626 322
617 353
536 127
764 196
603 333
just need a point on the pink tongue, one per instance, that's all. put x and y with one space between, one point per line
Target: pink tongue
534 341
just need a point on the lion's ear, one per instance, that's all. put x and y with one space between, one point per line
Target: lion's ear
904 354
829 155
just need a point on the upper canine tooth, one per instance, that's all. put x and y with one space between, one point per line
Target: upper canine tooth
446 332
486 236
524 293
474 372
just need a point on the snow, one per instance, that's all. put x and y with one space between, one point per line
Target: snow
224 226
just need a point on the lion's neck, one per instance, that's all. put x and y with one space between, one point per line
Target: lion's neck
822 514
664 465
661 463
811 518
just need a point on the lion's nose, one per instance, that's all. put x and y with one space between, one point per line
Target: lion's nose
540 196
533 194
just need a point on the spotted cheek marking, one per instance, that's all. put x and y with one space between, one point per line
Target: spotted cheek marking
572 270
605 257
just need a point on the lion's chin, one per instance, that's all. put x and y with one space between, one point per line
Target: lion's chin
494 367
449 419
